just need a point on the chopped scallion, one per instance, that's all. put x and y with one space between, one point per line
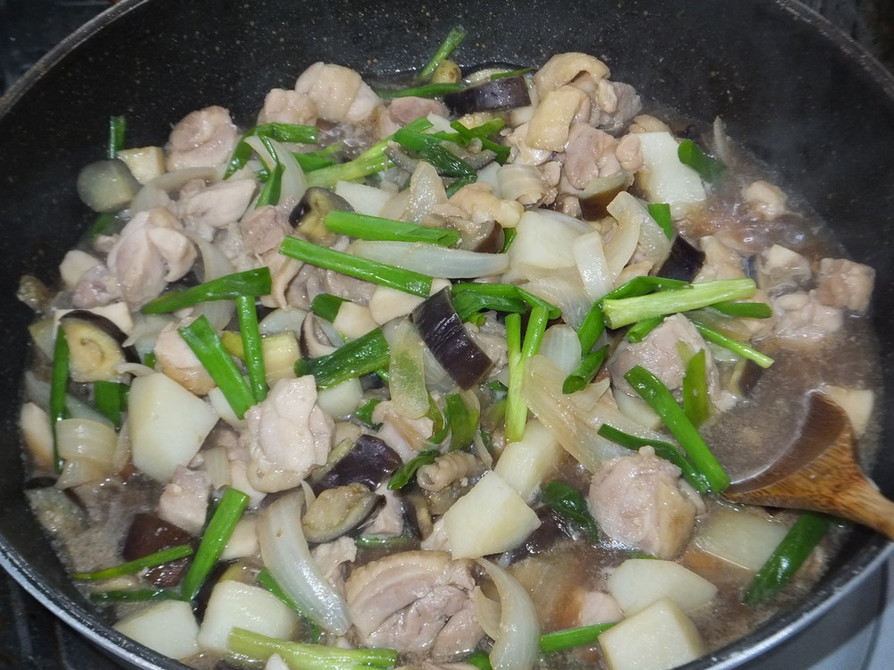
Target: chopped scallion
134 566
407 471
367 227
254 283
590 364
252 351
573 637
453 39
368 353
709 169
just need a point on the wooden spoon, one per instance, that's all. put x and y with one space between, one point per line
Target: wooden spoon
819 472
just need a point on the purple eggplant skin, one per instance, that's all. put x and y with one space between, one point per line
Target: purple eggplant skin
148 534
449 342
502 93
96 346
369 462
684 261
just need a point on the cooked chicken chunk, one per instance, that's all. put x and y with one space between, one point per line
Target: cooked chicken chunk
801 316
639 501
338 93
844 284
204 138
415 602
781 269
285 106
184 500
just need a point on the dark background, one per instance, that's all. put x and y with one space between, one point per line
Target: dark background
30 637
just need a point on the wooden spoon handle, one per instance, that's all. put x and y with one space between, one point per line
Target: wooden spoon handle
865 504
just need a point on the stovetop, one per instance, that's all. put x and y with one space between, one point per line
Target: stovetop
31 637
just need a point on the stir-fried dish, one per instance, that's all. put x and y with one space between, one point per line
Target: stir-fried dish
448 370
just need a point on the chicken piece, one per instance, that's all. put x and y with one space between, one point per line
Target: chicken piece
409 108
150 252
331 556
615 106
801 316
523 153
779 269
766 200
406 436
203 138
480 204
589 153
417 602
184 500
661 353
640 502
215 206
551 122
287 106
338 93
287 434
564 68
389 520
721 262
263 229
844 284
177 360
597 607
95 288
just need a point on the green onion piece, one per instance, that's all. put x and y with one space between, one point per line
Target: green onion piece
430 149
663 403
696 401
458 184
483 133
424 91
315 160
253 353
368 353
572 637
570 503
665 450
407 471
801 539
462 421
254 283
709 169
643 285
470 304
224 519
268 581
624 311
661 213
508 236
131 567
364 413
505 295
326 306
583 374
359 268
258 648
132 595
103 224
440 426
456 35
117 129
376 228
206 345
110 399
511 73
639 330
281 132
272 190
480 660
740 348
744 310
58 390
591 328
516 412
534 332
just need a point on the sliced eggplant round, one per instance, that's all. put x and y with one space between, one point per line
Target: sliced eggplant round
308 215
96 346
369 462
449 342
683 262
501 93
338 511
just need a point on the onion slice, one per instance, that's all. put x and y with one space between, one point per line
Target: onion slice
286 554
449 342
518 642
432 259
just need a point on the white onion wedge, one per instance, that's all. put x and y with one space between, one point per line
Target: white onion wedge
287 556
518 642
431 259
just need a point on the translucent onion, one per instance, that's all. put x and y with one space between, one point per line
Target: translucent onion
431 259
565 292
593 266
286 554
88 449
561 413
562 347
293 183
407 372
38 391
214 265
620 244
653 244
517 644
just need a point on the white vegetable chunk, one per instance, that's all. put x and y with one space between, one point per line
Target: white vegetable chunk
658 638
169 628
526 463
491 518
234 604
167 425
364 199
639 582
342 399
740 537
542 243
664 178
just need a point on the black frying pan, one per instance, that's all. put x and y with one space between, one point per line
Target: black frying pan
794 91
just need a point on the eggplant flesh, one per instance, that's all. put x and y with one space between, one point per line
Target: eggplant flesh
502 93
96 347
